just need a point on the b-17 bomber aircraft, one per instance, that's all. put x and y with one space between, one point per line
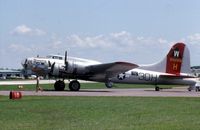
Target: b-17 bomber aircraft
174 69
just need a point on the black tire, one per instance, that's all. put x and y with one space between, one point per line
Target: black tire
74 85
157 88
59 85
109 84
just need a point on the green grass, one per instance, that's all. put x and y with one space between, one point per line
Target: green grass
83 86
99 113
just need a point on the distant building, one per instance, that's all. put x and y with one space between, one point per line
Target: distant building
7 74
196 70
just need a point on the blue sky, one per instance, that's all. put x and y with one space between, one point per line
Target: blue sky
139 31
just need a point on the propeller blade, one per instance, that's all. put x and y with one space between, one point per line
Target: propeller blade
66 62
49 63
65 57
52 68
25 64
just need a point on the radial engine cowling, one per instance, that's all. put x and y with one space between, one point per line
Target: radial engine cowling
55 70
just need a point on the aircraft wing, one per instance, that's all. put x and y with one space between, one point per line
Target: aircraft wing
109 70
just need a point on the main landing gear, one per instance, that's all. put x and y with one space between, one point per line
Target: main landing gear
73 85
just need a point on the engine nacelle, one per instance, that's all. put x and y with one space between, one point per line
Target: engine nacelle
75 68
71 69
56 70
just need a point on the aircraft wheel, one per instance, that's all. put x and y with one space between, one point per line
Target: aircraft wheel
59 85
189 89
109 84
74 85
157 88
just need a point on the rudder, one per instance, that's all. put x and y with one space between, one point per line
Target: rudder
175 59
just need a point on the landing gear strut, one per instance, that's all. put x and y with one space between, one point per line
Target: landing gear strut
59 85
74 85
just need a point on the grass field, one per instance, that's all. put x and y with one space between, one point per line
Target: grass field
99 113
83 86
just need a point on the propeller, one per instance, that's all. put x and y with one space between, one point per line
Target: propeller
51 67
25 66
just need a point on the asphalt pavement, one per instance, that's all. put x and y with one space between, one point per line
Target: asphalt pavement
147 92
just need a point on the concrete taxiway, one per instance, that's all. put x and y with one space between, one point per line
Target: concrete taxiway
147 92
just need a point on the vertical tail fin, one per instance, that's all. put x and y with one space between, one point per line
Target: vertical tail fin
177 61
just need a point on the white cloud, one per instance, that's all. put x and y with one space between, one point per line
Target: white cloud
117 46
125 46
120 34
115 41
19 48
25 30
88 41
38 32
56 45
22 30
162 41
195 38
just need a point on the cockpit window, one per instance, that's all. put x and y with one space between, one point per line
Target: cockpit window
55 57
